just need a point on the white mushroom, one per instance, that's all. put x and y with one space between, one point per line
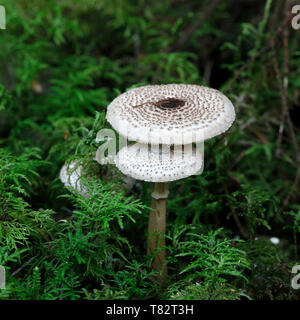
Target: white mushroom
275 240
160 164
71 177
170 118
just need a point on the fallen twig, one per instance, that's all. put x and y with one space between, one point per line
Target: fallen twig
285 115
189 32
24 265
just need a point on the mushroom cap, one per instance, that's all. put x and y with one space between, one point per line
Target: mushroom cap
171 114
72 178
159 163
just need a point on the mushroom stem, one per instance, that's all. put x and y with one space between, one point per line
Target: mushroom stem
157 230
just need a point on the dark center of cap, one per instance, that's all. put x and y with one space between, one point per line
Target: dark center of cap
170 103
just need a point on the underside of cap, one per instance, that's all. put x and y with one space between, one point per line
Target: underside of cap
171 114
159 163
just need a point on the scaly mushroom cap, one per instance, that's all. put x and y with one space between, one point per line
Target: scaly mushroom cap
72 178
171 114
159 163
